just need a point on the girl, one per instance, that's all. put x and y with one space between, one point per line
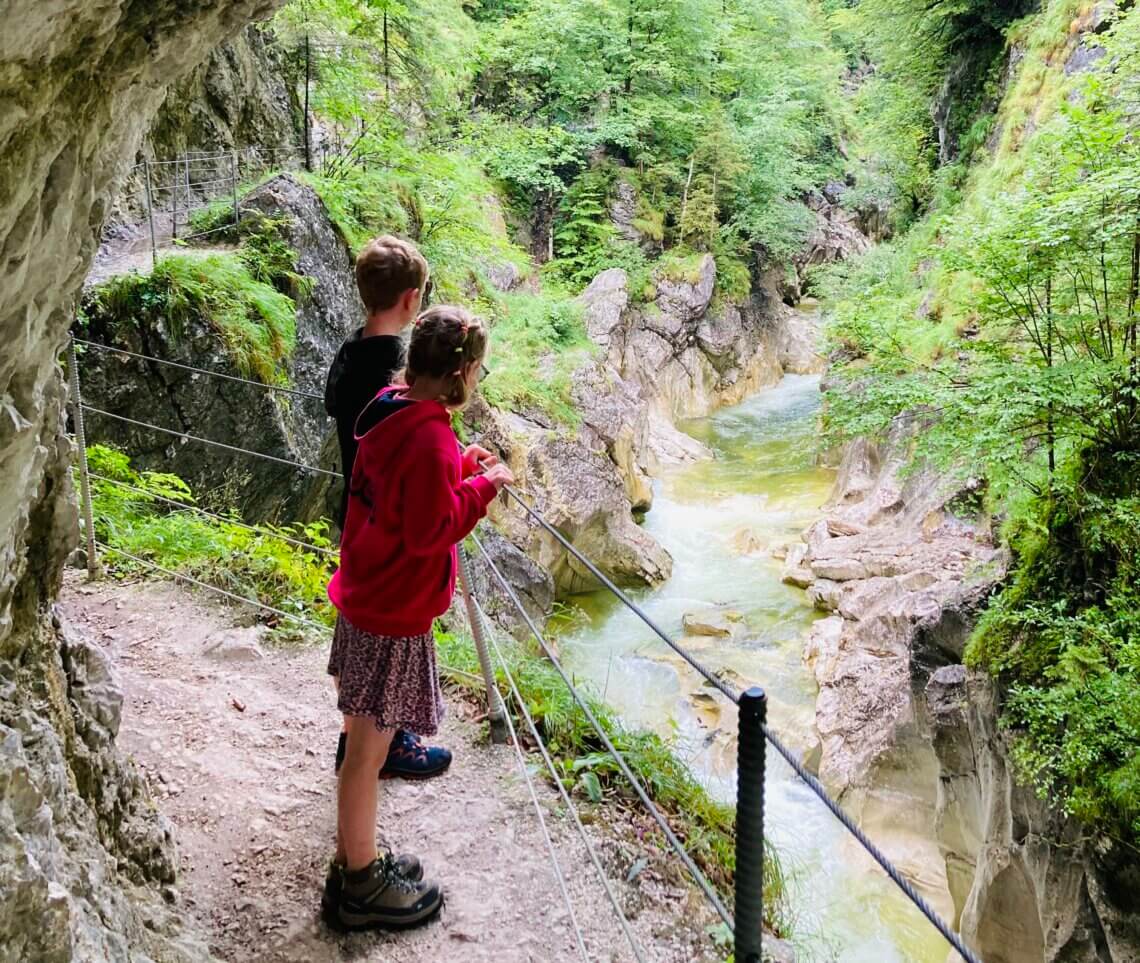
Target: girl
412 498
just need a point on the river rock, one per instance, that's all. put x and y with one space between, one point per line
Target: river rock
839 569
745 541
825 595
719 623
236 645
603 302
798 342
794 571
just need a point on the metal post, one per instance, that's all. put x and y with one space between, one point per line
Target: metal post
749 913
189 196
150 212
75 402
174 199
233 185
308 142
495 711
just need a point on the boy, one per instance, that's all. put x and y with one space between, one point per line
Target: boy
392 278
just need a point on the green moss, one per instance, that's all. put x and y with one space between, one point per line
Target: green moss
257 564
256 322
680 264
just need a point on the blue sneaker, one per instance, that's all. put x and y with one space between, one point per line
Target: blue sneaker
408 757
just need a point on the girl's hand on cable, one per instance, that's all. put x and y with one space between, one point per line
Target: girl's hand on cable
499 475
482 457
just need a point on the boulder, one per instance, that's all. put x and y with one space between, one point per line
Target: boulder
288 427
616 417
745 541
236 645
794 571
603 302
683 301
716 623
532 584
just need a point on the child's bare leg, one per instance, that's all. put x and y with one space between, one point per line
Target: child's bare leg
356 791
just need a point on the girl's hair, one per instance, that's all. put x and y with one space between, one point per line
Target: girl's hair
445 339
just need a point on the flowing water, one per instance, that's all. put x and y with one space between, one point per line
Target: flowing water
720 518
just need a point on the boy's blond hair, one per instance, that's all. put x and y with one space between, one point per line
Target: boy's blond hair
386 268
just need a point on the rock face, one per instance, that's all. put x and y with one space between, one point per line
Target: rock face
282 425
899 566
244 97
81 850
911 738
685 353
577 487
1028 884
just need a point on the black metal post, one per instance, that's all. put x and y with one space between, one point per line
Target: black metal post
308 139
749 914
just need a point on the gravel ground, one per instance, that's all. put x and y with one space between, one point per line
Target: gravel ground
236 739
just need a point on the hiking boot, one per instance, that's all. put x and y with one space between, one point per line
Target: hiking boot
408 866
380 896
408 757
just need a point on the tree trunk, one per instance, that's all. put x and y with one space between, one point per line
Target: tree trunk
685 196
1050 423
387 69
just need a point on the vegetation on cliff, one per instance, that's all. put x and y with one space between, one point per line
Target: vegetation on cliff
1009 313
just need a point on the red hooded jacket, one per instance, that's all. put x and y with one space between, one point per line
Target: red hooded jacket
411 502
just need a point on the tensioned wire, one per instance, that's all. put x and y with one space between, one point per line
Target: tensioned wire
694 871
184 506
558 875
549 762
283 389
255 603
216 444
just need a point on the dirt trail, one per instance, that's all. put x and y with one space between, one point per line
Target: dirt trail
128 249
237 740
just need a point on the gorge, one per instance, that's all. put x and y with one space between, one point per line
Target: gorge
679 241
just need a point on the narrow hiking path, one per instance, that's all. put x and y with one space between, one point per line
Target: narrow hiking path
236 740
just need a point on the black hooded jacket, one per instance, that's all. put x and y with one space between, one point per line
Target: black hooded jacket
362 367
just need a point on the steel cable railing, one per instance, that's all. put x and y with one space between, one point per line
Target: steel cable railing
698 877
207 441
282 389
811 781
709 676
520 702
186 507
749 841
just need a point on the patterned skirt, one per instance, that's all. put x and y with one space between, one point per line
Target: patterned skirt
392 680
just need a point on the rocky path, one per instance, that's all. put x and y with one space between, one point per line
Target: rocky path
236 740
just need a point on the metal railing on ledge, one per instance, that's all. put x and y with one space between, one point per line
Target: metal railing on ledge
754 734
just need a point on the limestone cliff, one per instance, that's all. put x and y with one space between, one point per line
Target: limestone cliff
81 848
903 564
243 96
